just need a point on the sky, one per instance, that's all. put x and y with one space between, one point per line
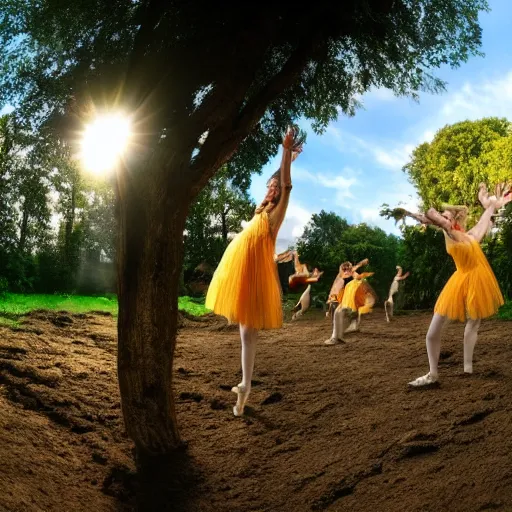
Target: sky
356 165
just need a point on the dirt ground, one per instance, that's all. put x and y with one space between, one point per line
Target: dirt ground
328 428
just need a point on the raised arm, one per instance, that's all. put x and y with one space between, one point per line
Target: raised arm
290 145
493 203
401 278
362 263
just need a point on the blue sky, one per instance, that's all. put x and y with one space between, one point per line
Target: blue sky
356 165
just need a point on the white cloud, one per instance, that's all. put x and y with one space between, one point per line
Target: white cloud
491 97
341 183
380 94
369 214
7 109
293 226
391 156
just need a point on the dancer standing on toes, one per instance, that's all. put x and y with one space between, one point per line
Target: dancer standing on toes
388 305
245 287
356 296
472 292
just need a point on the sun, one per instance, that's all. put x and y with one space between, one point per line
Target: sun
104 141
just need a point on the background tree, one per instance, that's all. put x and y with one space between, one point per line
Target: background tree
328 240
201 79
450 168
214 217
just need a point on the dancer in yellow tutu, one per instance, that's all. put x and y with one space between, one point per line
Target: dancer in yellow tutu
352 294
345 275
472 292
245 287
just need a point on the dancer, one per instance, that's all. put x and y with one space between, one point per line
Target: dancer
302 274
345 275
245 287
388 305
355 296
472 292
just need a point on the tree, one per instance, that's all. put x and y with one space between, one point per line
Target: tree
450 168
215 215
422 251
328 240
201 79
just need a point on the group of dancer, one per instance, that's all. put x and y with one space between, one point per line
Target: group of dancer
245 287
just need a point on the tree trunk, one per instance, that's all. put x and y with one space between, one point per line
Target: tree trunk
224 227
149 261
70 221
23 228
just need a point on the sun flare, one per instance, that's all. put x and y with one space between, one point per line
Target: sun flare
104 141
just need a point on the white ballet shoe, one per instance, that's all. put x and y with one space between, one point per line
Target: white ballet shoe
468 369
332 341
425 380
242 395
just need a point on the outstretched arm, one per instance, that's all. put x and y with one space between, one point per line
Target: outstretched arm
400 214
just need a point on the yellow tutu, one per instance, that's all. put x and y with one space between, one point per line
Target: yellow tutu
472 291
358 296
245 287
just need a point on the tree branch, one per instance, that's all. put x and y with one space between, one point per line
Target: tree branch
223 142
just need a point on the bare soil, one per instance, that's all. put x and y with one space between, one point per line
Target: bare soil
328 427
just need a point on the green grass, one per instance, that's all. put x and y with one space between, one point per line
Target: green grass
13 305
505 312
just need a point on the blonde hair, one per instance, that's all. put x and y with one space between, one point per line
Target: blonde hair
459 212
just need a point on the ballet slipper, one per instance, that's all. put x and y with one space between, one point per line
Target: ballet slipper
425 380
242 395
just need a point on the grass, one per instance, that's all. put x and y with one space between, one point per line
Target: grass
14 305
505 312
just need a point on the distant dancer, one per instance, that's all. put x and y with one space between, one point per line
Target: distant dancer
355 297
388 305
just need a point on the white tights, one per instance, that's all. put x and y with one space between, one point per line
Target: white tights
341 322
248 337
434 342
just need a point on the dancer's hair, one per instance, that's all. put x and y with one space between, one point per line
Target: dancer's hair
459 212
274 203
346 265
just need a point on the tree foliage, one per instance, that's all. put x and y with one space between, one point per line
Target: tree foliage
282 66
328 240
215 216
450 168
